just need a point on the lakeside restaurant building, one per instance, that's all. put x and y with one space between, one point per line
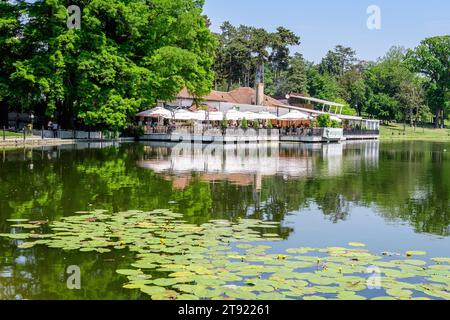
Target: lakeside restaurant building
248 101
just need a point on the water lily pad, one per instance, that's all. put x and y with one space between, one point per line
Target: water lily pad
151 290
441 260
129 272
356 244
399 293
181 274
415 253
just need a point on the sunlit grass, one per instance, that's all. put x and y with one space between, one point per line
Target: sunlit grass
10 134
401 132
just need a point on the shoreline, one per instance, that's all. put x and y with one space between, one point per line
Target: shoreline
12 144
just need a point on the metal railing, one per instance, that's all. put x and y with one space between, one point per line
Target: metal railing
302 132
360 132
211 131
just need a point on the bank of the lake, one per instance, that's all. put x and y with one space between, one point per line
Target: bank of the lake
399 132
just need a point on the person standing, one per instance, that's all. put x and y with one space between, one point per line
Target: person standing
55 130
17 122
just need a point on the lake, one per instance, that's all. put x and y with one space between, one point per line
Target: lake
391 197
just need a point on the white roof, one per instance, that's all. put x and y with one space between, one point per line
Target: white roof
235 115
156 112
202 115
295 115
182 115
266 116
328 103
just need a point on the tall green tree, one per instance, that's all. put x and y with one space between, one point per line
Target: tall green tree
280 57
384 80
118 62
10 30
244 52
432 59
295 77
337 61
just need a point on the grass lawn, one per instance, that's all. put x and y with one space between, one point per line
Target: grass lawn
397 132
10 134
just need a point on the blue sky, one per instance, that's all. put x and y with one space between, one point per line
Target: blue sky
322 24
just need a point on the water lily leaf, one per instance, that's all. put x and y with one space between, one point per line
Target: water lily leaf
399 293
356 244
151 290
15 236
26 226
314 298
416 253
17 220
165 282
441 260
349 295
27 245
182 274
187 297
129 272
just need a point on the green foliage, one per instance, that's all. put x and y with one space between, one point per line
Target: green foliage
244 124
243 49
127 55
335 124
338 61
224 124
324 121
432 59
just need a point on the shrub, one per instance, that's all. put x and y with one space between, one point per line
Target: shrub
244 124
335 124
324 121
224 124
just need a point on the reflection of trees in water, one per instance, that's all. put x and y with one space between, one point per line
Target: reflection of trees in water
410 182
31 279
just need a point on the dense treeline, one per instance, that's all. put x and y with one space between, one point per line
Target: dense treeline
129 54
404 85
125 56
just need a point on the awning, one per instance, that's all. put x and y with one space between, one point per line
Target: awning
182 115
295 115
266 116
211 116
235 115
155 113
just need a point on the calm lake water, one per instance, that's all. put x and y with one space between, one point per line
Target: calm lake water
391 196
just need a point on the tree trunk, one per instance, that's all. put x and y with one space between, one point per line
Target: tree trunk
437 120
3 114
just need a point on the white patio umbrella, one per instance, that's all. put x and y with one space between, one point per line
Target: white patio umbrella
155 113
251 115
182 115
235 115
266 116
295 115
202 115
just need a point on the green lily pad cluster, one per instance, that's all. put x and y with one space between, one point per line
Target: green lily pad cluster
231 260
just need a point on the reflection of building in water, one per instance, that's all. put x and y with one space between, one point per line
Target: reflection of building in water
358 153
248 164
